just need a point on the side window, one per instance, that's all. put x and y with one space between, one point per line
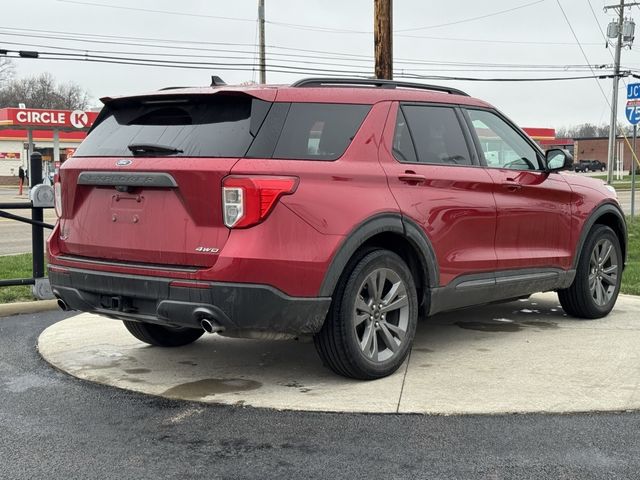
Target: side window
319 131
437 135
502 146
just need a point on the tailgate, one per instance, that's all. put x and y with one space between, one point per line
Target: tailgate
145 185
157 214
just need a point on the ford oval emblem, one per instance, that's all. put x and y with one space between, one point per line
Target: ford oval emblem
123 163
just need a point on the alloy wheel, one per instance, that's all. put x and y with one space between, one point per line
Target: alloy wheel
381 315
603 272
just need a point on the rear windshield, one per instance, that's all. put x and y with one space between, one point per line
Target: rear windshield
218 126
223 126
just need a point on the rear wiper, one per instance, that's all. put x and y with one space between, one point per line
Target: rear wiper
142 148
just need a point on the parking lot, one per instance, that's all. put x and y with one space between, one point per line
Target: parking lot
55 426
227 408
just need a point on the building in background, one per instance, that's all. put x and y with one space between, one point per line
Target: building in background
596 148
54 133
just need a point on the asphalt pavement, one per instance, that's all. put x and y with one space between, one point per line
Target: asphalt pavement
15 237
55 426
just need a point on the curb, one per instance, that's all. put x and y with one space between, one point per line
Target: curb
17 308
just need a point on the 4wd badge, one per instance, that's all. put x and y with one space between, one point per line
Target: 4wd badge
207 249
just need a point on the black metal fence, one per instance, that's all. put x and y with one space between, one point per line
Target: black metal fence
37 226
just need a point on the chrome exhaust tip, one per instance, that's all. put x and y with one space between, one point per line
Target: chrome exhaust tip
210 326
63 306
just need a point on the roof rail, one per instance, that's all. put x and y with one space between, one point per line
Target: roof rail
172 88
372 82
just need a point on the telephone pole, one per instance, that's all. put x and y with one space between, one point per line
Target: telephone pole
383 38
623 31
614 96
263 61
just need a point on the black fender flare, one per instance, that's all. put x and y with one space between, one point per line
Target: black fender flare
385 222
598 212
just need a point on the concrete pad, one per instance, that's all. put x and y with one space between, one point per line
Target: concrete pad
524 356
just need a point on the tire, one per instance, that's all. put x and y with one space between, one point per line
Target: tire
161 336
595 288
356 328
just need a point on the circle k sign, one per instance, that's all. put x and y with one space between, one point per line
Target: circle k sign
79 119
41 118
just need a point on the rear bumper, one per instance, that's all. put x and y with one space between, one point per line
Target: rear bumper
235 306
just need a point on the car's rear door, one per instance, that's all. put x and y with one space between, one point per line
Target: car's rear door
438 183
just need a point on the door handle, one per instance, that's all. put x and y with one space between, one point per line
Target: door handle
412 178
511 185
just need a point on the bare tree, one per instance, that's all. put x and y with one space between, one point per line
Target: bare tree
6 70
42 91
585 130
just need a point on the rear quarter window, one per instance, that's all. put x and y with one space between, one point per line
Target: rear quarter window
319 131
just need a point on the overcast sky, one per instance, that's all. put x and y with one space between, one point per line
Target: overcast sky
435 36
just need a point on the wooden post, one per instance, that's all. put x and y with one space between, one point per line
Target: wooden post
383 38
263 61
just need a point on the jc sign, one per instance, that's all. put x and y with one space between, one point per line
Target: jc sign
633 91
632 110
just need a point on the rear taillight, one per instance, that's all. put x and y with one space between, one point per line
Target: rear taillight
247 201
57 195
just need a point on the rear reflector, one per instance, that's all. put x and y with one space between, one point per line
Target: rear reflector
247 201
57 269
57 197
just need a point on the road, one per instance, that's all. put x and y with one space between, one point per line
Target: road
15 237
624 197
54 426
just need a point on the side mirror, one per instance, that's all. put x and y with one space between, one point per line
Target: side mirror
558 159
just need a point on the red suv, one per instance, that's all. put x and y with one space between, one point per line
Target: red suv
342 209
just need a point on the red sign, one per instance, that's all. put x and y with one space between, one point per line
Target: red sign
31 117
541 133
10 155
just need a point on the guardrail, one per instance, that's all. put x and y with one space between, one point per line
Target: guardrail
41 197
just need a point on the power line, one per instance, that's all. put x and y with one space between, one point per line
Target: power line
564 14
46 55
287 63
140 42
472 19
149 10
498 42
475 79
283 69
297 26
281 57
606 39
173 47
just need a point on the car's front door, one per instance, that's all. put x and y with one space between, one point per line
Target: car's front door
534 206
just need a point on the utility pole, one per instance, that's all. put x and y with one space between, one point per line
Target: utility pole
614 96
383 38
263 61
623 31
